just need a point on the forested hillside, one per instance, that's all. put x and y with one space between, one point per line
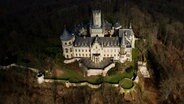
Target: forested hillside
30 30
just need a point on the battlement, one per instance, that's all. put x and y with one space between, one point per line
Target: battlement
96 12
97 22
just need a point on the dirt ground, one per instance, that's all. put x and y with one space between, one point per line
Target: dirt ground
57 72
151 92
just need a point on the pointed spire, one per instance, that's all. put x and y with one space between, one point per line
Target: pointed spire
65 32
96 39
90 45
66 35
123 40
102 44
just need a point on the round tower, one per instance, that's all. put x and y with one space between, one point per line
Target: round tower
40 78
67 40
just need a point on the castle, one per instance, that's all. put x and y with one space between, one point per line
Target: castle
104 45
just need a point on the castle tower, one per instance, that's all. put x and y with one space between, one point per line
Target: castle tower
132 36
96 28
67 40
97 21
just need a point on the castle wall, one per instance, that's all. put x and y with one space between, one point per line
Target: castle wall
68 48
96 32
104 49
94 72
129 54
81 52
111 52
105 52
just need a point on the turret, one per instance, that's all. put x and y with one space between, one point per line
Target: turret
67 40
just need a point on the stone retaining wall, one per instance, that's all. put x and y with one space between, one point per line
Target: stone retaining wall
106 69
69 84
19 66
100 71
71 60
94 72
142 67
122 90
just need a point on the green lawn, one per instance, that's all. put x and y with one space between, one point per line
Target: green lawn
115 78
94 79
73 74
68 74
135 54
126 83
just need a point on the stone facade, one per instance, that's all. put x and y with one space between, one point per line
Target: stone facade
142 68
100 43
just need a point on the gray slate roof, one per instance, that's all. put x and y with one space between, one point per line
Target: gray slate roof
91 65
122 34
126 32
117 25
103 41
106 25
66 35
